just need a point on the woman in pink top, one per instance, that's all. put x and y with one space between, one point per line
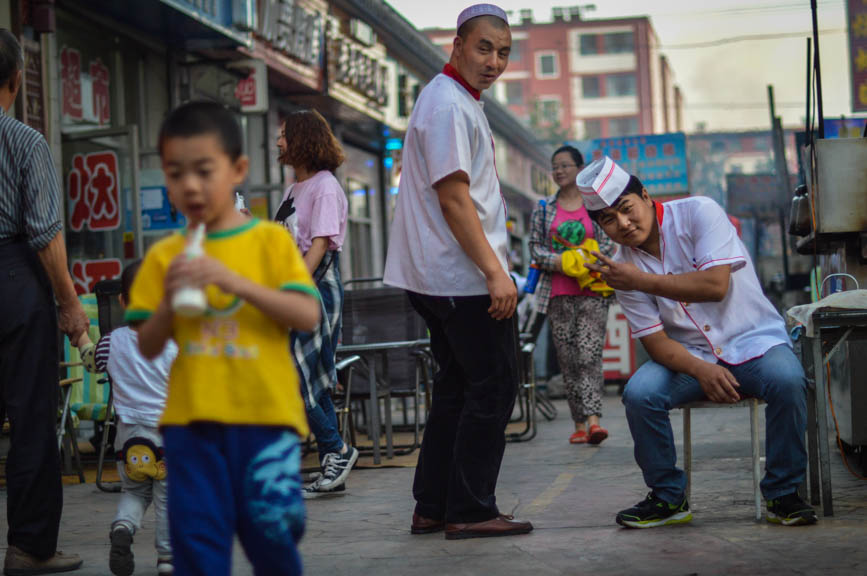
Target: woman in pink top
578 316
314 209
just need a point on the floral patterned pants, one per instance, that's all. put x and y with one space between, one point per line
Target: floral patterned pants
578 326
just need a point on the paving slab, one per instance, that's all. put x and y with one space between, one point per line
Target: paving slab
571 494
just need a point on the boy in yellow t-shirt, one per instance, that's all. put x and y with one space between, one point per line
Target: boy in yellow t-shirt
234 412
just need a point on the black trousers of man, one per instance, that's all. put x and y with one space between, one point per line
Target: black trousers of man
473 395
29 392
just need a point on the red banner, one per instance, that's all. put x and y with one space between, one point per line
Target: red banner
85 274
857 16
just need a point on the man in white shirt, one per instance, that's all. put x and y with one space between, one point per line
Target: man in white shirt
449 248
689 291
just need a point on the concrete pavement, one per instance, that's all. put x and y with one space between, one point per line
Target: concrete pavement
571 494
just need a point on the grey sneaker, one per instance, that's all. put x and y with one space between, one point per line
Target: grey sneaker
120 559
335 469
20 563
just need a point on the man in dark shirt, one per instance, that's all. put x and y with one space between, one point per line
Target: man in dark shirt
33 270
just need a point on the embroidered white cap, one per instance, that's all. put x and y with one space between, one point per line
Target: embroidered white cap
477 10
601 183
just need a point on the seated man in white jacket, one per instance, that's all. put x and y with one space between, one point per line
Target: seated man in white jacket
690 293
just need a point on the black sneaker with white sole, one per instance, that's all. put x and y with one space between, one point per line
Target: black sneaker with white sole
335 469
120 558
790 510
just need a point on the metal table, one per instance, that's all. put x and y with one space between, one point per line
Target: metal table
831 327
370 352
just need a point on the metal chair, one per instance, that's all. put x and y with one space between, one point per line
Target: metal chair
110 316
380 316
753 404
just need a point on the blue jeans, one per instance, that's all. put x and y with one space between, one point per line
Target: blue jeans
323 423
777 378
234 479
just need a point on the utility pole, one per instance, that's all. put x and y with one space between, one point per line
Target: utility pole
781 198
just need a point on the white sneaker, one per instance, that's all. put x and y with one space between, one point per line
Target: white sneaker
165 566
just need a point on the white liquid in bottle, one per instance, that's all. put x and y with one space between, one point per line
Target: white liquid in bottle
190 301
239 202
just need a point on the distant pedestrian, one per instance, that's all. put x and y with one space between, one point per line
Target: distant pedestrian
314 209
234 414
577 314
449 249
688 288
34 270
139 388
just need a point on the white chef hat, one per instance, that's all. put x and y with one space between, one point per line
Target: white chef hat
477 10
601 183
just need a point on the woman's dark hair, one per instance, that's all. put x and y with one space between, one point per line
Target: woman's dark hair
127 277
310 142
574 152
634 186
11 58
199 118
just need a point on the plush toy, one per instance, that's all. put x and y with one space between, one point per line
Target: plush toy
142 460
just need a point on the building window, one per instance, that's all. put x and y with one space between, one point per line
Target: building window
618 127
514 93
620 85
549 111
516 54
591 87
618 42
547 65
589 44
592 129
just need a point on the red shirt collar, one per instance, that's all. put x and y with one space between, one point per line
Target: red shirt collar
660 212
452 73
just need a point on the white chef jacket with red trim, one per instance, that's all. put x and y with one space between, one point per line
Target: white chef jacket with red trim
695 234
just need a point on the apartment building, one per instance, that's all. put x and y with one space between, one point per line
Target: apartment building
576 79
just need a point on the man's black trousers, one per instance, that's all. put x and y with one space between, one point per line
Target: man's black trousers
29 392
473 396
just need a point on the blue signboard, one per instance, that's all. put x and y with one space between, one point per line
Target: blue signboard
844 127
156 211
659 160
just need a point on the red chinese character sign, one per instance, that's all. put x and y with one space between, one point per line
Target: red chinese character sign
99 77
94 192
70 81
857 15
86 273
618 356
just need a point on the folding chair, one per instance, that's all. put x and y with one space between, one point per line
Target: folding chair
110 316
65 428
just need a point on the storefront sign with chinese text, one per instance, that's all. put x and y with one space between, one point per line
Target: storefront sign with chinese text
857 15
358 70
252 89
94 192
291 29
85 96
659 160
618 356
86 273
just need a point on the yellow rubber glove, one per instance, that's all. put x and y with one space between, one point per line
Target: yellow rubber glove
574 262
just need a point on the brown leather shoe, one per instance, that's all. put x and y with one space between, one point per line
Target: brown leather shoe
501 526
422 525
20 563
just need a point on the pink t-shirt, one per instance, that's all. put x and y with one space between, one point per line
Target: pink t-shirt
315 208
573 227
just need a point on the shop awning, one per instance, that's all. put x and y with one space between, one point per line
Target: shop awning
192 24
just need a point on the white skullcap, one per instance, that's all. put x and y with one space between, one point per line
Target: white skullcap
601 183
477 10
